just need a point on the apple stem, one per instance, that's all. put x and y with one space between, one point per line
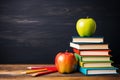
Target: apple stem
87 16
66 50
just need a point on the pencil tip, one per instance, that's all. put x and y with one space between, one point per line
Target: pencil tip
29 67
23 72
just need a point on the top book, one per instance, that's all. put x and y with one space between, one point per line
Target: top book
92 39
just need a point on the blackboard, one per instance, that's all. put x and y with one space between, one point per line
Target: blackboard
34 31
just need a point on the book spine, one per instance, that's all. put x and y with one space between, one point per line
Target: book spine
76 51
84 71
81 64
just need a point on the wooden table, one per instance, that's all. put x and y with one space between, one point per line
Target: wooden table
7 69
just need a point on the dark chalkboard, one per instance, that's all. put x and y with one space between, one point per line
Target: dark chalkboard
34 31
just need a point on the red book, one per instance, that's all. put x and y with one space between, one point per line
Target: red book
104 52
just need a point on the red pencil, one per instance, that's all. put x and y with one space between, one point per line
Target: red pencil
50 69
43 73
41 67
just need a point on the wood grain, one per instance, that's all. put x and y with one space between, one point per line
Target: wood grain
13 72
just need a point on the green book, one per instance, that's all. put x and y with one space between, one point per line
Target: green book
96 63
94 58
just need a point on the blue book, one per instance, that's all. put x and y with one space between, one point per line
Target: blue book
92 39
98 71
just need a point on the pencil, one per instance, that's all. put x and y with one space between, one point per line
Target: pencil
35 67
41 67
43 73
33 71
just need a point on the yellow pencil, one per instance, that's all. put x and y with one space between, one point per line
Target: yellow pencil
33 71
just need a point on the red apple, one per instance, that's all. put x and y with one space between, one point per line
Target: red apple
65 62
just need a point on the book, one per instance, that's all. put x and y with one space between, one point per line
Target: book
95 58
92 57
96 63
88 46
94 52
98 71
93 39
77 56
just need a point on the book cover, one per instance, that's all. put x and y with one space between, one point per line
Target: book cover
94 58
92 39
94 52
96 63
88 46
98 71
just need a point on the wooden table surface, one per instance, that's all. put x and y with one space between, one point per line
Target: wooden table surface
9 72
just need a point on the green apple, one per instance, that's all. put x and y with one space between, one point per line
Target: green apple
86 27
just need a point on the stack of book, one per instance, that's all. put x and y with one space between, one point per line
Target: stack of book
93 55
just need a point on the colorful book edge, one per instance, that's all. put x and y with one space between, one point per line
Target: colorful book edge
85 70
